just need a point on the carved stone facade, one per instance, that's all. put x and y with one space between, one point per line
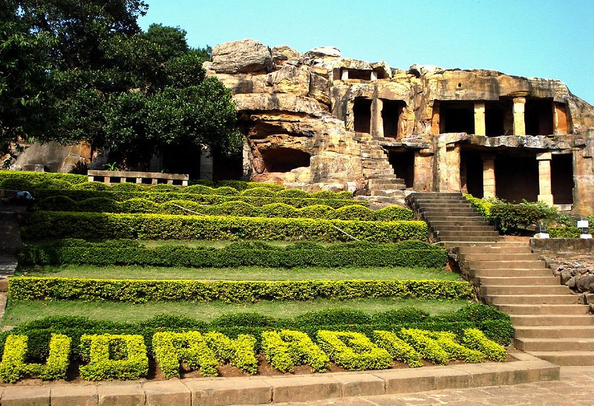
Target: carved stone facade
320 121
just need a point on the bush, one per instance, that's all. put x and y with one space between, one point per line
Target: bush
182 208
199 190
394 213
354 213
447 341
153 226
397 348
237 208
281 210
189 348
429 348
91 186
162 187
113 356
34 178
292 193
57 203
353 351
138 205
475 339
288 348
57 184
142 291
14 368
259 192
98 204
128 187
241 253
239 352
564 232
316 211
404 315
226 191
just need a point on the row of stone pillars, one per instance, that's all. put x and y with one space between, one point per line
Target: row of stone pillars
519 125
545 193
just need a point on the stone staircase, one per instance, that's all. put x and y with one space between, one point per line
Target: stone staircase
381 180
549 322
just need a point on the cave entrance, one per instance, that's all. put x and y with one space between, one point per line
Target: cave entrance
538 116
362 113
517 177
391 114
498 118
403 163
456 117
562 179
284 159
471 172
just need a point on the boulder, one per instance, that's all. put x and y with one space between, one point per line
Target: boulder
242 56
323 52
283 53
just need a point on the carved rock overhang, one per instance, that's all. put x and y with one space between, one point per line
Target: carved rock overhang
558 144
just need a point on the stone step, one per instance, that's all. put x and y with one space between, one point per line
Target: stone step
552 320
469 233
455 241
434 195
533 264
516 280
566 358
554 331
512 273
544 308
390 192
500 255
501 247
461 222
464 228
555 344
501 299
490 290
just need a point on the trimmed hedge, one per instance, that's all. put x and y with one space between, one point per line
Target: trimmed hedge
142 291
24 179
189 348
358 254
13 366
353 351
113 356
232 208
48 225
82 193
496 327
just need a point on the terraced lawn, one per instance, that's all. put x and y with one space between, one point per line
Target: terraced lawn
19 312
239 273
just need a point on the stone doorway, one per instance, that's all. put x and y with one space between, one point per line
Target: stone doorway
403 162
516 177
538 116
471 173
391 115
456 117
562 179
362 113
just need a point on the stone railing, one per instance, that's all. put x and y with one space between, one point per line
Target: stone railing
146 178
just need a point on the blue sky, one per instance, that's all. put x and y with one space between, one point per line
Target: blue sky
540 38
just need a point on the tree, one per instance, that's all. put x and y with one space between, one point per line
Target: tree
135 93
23 78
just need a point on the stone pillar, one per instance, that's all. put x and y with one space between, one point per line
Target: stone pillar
545 193
435 119
519 119
206 163
489 185
479 119
377 121
344 74
373 76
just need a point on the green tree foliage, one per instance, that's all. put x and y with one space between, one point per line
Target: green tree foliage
133 92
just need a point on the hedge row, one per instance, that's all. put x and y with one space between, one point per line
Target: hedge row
204 199
35 178
302 254
495 324
66 182
233 208
125 356
51 225
142 291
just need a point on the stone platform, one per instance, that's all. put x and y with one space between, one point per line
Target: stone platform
282 389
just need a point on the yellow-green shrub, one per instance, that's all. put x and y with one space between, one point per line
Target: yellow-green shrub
353 351
398 349
475 339
239 352
172 349
429 348
113 356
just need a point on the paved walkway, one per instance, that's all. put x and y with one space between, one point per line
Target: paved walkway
576 388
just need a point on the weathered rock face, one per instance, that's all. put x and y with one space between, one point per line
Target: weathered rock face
334 120
241 57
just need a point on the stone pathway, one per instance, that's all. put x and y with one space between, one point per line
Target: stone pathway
576 388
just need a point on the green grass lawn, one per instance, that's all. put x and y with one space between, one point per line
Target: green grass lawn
239 273
18 312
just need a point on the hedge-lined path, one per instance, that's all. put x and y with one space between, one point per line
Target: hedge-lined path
548 321
575 388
